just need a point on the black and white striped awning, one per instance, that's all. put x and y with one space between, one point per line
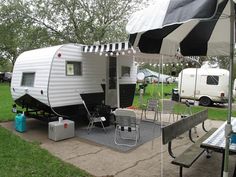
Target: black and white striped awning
196 27
112 47
124 48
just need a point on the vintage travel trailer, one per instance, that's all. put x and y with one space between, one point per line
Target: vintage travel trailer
206 85
55 80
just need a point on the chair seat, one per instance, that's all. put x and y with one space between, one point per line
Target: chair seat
99 119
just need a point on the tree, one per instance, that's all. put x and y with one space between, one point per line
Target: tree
29 24
19 34
84 21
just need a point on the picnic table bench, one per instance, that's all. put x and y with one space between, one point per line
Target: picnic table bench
192 153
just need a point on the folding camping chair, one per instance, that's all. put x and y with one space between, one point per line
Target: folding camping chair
188 112
152 105
168 108
94 118
127 132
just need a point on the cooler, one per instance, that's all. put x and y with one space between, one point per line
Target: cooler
61 130
20 123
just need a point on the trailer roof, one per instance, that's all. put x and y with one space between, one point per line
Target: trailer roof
206 71
47 51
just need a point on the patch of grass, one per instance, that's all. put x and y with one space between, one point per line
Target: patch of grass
214 113
153 91
21 158
6 103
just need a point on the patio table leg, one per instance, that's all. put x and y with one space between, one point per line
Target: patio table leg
181 171
222 164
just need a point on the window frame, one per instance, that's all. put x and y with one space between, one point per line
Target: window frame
22 79
213 80
123 74
74 62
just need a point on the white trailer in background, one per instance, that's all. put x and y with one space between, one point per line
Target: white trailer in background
55 80
206 85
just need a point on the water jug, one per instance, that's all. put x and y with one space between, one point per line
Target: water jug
20 123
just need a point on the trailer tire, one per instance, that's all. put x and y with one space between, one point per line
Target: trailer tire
205 101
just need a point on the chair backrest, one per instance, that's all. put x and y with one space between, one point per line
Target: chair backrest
167 106
125 117
86 108
152 104
188 110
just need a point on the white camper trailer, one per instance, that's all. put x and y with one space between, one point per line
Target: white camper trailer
54 80
206 85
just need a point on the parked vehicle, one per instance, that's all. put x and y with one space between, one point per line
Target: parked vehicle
55 80
234 89
152 76
5 76
206 85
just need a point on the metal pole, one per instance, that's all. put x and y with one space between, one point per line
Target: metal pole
159 69
195 86
228 126
118 82
181 81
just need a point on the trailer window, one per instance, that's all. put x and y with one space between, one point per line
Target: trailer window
28 79
212 80
73 68
125 71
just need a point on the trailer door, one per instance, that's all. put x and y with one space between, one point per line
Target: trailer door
111 82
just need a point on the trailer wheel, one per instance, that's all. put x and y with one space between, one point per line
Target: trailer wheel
205 101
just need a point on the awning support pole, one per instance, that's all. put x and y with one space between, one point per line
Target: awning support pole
228 127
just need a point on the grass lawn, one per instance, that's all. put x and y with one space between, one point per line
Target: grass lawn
21 158
5 103
157 91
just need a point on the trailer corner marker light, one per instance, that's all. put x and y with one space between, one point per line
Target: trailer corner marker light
59 55
222 94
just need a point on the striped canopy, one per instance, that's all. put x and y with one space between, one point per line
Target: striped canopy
124 48
112 47
193 27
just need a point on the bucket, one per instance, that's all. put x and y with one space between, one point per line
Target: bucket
20 123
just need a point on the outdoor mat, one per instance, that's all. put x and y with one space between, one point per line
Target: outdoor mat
148 131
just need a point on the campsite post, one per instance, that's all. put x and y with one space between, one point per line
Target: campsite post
228 127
